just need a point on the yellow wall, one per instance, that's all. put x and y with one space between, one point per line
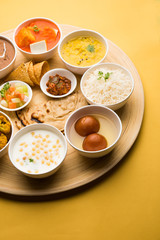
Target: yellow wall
126 204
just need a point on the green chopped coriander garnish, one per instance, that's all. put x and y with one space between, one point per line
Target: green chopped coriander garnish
90 48
106 76
35 28
4 89
100 74
31 159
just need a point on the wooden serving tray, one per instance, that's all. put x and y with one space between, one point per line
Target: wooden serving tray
76 170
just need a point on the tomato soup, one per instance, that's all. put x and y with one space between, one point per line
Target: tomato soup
36 31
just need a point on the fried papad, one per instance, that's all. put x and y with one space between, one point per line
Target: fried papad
39 70
21 74
29 73
43 109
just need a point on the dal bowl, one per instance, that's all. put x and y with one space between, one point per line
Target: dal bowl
107 84
38 150
35 30
6 48
81 49
110 128
8 135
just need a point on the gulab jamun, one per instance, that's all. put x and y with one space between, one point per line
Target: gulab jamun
94 142
87 125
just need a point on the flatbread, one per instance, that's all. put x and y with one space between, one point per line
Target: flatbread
43 109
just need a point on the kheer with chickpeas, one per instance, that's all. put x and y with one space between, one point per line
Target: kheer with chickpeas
38 151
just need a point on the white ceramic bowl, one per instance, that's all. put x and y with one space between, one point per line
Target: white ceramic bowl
93 109
112 66
10 135
8 69
77 33
62 72
31 128
29 97
37 56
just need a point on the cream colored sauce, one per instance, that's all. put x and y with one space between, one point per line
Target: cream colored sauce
38 151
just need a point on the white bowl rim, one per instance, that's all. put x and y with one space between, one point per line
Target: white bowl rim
30 19
37 125
54 70
84 30
15 54
24 105
8 118
102 150
107 64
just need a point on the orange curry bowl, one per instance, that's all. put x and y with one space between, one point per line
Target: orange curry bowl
37 38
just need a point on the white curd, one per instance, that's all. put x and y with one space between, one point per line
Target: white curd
38 151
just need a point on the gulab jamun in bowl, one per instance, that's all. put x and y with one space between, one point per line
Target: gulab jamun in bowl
93 130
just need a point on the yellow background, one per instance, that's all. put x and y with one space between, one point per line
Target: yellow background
126 204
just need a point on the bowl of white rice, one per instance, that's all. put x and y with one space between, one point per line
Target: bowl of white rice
107 84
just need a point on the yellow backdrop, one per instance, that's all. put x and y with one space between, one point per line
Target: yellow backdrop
126 204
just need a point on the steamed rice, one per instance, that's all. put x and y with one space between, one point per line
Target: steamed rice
107 91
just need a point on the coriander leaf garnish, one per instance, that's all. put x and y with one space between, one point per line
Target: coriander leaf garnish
90 48
106 76
6 86
35 28
31 159
100 74
4 89
2 92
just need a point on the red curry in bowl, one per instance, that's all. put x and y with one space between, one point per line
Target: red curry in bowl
37 30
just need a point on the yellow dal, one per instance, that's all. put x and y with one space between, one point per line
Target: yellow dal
76 52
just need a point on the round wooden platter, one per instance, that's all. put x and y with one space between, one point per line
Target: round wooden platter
76 170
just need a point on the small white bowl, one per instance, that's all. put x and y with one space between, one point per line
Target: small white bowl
77 33
10 135
91 110
8 69
62 72
29 98
37 56
31 128
112 66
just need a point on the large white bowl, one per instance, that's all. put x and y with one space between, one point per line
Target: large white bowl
8 69
62 72
37 56
30 128
10 135
113 66
93 109
29 97
77 33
